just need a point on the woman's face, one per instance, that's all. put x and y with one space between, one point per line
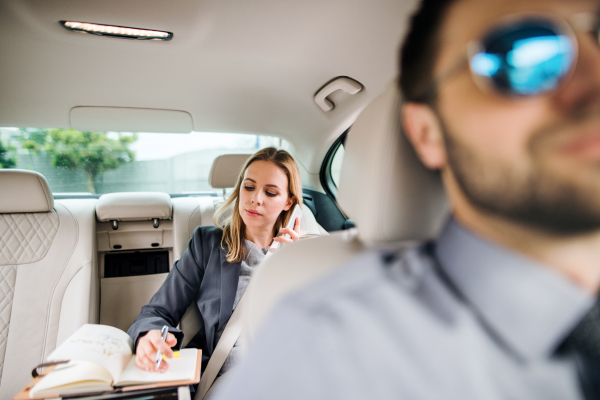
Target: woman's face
263 195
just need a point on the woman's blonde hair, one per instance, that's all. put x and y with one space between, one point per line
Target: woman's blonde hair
233 227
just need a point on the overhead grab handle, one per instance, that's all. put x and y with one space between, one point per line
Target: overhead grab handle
346 84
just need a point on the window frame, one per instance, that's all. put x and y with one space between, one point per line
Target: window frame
325 174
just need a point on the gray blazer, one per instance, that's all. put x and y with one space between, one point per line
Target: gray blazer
202 275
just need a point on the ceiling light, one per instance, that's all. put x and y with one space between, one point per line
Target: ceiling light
116 31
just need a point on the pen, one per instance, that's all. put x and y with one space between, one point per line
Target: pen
163 334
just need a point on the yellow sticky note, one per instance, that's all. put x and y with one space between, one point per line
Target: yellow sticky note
175 355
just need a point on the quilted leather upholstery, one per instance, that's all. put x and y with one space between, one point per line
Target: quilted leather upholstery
48 285
8 276
26 238
48 273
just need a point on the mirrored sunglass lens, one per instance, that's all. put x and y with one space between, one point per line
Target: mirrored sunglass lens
525 59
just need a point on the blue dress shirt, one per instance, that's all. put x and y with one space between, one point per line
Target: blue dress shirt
456 318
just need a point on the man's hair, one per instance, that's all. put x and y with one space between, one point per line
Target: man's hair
420 49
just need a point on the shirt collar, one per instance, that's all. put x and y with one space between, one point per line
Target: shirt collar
528 306
251 248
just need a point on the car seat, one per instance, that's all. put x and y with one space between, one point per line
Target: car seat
48 274
384 188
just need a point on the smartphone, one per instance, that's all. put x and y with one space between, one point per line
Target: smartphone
290 225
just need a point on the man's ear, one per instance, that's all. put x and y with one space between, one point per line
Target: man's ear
424 131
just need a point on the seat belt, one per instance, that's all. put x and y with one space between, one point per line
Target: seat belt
207 209
230 335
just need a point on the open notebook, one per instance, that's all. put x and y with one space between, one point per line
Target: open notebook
101 360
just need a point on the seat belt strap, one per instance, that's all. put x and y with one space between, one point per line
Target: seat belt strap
230 335
207 209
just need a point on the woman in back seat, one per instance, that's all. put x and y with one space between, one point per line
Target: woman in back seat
215 268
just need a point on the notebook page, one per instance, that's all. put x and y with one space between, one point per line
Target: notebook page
182 368
107 346
77 375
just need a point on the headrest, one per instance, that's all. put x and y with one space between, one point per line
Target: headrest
226 170
138 206
384 187
23 191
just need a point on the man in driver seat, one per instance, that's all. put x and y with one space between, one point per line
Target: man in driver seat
503 98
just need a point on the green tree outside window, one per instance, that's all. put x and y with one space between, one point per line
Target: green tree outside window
91 152
7 159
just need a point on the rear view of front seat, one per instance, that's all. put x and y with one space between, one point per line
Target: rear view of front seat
384 188
47 274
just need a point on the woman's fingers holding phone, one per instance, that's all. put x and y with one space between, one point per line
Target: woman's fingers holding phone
288 235
294 236
294 233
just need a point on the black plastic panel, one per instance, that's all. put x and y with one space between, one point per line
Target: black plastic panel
134 264
326 212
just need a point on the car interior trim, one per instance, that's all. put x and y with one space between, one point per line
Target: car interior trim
24 192
129 119
133 206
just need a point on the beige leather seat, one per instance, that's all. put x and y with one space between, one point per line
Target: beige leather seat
384 188
49 280
143 224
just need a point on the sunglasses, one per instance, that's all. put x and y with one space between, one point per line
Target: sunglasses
525 55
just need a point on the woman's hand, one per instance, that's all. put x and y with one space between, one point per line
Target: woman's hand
294 234
145 354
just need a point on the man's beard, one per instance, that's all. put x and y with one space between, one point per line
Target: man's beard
539 196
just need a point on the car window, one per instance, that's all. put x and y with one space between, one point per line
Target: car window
77 162
336 165
331 169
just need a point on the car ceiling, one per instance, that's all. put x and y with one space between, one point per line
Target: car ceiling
234 66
